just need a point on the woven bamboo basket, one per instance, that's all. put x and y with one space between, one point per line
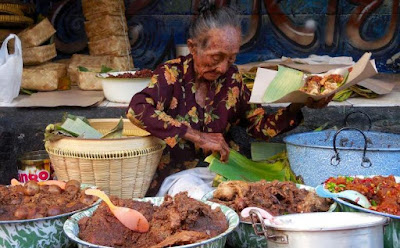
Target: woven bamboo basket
122 167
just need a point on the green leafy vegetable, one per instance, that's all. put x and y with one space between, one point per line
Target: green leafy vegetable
27 92
105 69
84 69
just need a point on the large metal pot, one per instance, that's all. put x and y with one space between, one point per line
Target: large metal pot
318 155
243 236
328 230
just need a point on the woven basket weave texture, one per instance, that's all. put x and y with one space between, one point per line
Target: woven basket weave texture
121 167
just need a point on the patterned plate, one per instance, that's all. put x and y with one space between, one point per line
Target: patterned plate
43 232
71 227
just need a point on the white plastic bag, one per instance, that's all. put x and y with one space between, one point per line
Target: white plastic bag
10 70
197 182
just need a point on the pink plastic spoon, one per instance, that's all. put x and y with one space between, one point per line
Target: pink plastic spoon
264 214
130 218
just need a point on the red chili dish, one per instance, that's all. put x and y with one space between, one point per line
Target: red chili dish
382 192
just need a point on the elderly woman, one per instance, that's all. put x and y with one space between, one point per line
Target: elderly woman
192 101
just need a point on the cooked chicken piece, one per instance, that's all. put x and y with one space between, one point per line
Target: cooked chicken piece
313 203
316 85
228 190
312 85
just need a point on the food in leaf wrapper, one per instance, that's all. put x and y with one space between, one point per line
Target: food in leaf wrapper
38 55
92 9
43 77
105 26
87 80
37 34
113 45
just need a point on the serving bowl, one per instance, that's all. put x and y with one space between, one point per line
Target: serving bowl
42 232
71 227
120 86
244 236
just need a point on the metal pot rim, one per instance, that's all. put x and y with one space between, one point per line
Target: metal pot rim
378 220
369 149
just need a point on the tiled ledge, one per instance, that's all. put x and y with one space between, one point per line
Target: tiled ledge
390 100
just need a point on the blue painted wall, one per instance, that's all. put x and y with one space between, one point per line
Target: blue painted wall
293 28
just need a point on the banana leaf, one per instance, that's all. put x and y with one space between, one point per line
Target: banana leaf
286 81
343 95
362 91
261 151
239 167
116 132
80 128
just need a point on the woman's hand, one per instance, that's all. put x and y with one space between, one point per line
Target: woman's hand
311 103
213 142
320 103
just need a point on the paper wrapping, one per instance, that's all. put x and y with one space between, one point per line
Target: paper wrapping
38 55
37 34
105 26
93 9
43 77
112 45
363 69
94 63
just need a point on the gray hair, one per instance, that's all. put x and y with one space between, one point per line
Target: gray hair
211 17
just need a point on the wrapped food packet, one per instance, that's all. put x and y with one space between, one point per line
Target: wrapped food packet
38 34
105 26
92 9
39 54
113 45
43 77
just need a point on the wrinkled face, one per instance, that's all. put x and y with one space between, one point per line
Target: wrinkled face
213 58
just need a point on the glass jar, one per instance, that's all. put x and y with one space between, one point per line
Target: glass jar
35 166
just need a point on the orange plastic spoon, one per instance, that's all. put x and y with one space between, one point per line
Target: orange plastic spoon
130 218
60 184
15 182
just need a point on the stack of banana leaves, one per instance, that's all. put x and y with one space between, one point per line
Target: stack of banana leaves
248 77
355 90
266 167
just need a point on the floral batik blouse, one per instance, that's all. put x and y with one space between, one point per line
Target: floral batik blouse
167 107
